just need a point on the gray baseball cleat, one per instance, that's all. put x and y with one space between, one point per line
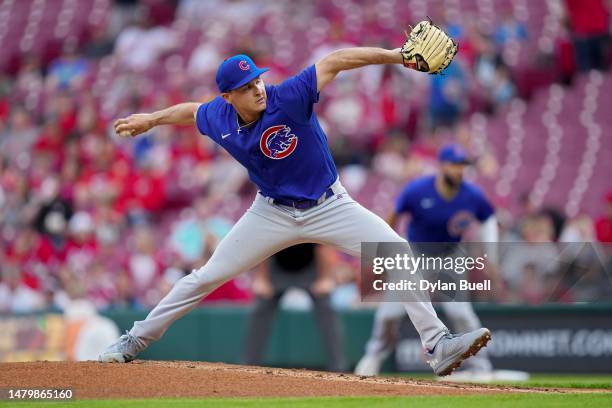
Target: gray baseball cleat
451 350
123 350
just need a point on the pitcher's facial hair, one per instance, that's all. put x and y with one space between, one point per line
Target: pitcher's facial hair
450 182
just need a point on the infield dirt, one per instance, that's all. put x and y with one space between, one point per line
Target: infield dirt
154 379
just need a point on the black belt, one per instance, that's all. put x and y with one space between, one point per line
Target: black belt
303 204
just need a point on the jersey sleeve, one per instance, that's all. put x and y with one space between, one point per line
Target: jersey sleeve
298 94
484 209
205 116
405 201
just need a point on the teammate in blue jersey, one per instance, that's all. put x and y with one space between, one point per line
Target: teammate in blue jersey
442 207
274 133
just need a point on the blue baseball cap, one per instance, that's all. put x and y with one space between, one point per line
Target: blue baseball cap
237 71
453 153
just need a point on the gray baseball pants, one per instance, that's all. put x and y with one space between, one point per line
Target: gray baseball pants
389 316
265 229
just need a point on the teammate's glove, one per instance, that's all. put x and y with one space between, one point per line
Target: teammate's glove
428 48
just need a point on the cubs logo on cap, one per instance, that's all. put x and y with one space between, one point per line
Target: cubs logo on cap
277 142
237 71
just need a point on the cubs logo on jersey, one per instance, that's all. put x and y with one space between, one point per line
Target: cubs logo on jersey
277 142
460 222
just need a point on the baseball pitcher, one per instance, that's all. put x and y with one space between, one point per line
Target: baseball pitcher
274 133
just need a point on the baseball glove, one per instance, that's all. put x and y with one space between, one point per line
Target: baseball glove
428 48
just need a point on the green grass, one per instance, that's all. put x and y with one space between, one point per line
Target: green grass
570 381
497 401
595 381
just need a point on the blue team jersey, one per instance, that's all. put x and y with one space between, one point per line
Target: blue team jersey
285 151
435 219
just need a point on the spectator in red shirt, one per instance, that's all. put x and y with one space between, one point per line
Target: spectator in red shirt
33 256
603 226
144 192
5 107
589 21
82 246
50 144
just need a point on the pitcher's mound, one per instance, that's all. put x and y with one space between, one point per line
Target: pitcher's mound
154 379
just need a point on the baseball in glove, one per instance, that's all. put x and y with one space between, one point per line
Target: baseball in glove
428 48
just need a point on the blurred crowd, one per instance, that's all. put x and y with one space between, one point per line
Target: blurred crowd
86 214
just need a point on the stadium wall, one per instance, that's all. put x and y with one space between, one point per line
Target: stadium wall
555 338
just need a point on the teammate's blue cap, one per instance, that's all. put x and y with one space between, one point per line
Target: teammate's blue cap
237 71
453 153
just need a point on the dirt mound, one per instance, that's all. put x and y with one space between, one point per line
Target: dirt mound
154 379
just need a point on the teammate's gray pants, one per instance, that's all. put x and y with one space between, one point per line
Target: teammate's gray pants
389 315
266 229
